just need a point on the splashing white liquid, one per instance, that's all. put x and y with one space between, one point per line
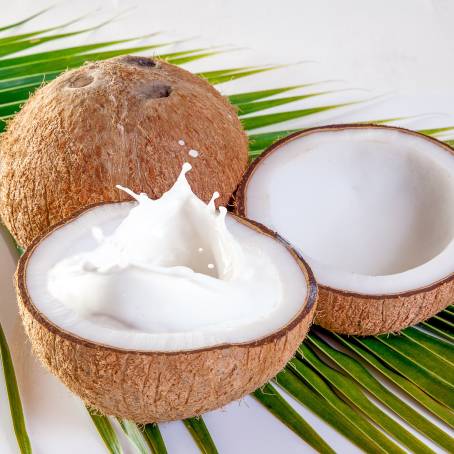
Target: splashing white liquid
171 266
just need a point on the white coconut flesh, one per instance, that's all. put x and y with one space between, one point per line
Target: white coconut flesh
371 209
172 274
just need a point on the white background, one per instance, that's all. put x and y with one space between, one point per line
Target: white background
397 54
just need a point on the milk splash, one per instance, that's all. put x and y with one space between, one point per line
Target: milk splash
171 265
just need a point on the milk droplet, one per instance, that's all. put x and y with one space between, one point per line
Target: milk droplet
200 249
210 266
181 142
193 153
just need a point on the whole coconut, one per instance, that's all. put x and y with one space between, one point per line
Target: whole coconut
129 121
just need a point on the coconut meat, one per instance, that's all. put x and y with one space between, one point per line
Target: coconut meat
371 209
170 274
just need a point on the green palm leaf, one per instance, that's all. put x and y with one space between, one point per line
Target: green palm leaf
107 432
435 386
65 52
199 432
313 392
24 21
15 404
419 361
257 106
360 374
154 438
436 346
408 387
138 438
278 406
350 390
260 121
252 96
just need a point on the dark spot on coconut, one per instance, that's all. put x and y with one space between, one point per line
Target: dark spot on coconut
155 90
139 61
80 80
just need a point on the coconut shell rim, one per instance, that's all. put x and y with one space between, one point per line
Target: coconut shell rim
240 196
307 309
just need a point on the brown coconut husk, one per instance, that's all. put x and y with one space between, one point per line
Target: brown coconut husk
359 314
115 122
147 386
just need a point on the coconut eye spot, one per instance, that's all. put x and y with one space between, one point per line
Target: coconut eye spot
144 62
155 90
80 80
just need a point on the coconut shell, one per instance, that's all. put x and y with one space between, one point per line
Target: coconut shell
360 314
114 122
365 315
147 386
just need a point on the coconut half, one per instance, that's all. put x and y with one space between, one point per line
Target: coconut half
166 341
372 209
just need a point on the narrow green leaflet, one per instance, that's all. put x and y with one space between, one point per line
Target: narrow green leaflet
260 121
16 94
411 350
72 61
23 87
227 75
257 106
357 398
15 404
10 108
261 141
135 435
332 409
8 48
360 374
183 60
435 386
107 432
189 58
252 96
65 52
436 131
155 440
27 19
408 387
17 82
199 431
23 37
448 314
442 324
279 407
436 346
436 330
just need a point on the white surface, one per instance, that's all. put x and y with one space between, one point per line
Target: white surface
399 48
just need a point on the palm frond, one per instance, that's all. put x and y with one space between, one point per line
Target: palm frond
155 440
268 396
199 432
328 374
24 21
259 121
107 432
135 436
15 404
252 96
